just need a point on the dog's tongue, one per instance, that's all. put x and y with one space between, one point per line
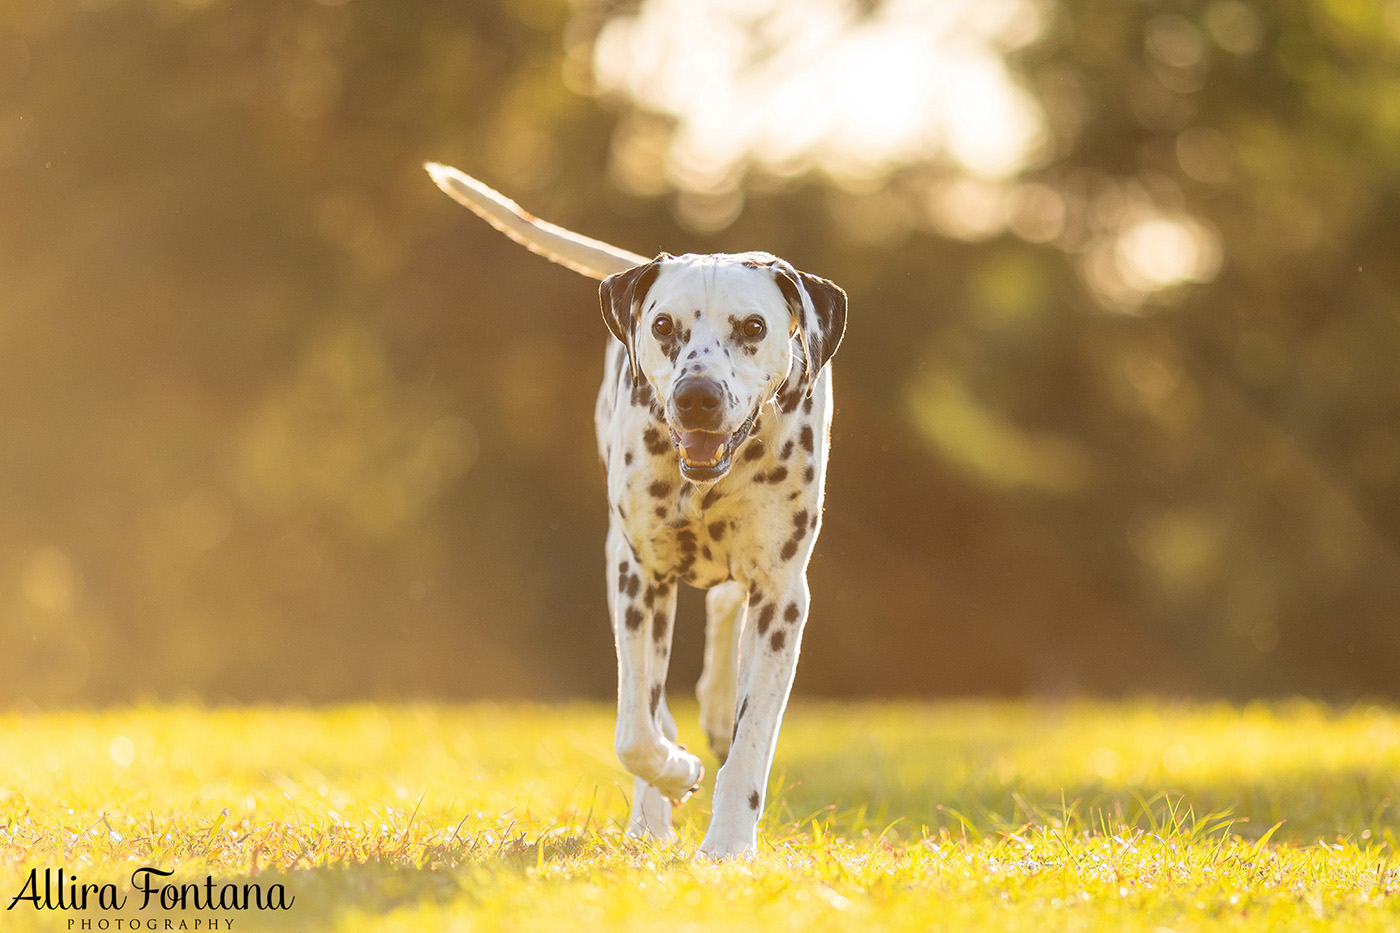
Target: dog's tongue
701 446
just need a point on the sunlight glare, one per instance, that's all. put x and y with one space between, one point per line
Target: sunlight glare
1164 251
791 86
883 83
122 751
994 126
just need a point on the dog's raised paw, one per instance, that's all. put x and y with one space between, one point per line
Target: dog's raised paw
699 779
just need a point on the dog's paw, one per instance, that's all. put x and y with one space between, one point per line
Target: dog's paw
722 847
651 815
733 829
695 782
664 764
644 830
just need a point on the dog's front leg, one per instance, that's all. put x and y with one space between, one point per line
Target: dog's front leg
768 661
651 808
643 610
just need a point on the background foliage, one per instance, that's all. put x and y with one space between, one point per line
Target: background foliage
280 421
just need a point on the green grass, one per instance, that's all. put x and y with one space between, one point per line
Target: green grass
956 817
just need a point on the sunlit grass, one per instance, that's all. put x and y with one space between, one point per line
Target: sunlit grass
954 816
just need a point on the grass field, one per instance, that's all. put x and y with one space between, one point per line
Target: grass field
882 817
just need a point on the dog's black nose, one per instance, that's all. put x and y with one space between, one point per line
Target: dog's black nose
698 403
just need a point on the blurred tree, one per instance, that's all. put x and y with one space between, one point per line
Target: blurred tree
1117 411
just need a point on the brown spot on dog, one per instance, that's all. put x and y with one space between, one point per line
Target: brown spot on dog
765 617
655 441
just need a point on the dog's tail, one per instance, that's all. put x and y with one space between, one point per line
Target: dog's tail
593 258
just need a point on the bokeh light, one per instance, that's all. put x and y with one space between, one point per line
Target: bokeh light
281 422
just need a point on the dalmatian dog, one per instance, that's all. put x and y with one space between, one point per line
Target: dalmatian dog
713 425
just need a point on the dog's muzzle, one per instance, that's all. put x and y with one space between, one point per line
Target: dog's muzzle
707 455
705 451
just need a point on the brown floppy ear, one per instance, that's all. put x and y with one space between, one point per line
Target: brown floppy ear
819 309
621 296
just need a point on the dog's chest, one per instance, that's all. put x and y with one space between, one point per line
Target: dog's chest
681 530
703 535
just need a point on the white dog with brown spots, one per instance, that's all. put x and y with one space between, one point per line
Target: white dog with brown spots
713 424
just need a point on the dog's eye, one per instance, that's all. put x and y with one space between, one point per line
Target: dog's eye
753 327
663 326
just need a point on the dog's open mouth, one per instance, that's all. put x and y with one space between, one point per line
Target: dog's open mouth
706 455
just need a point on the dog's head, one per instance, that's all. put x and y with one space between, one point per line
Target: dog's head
717 337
